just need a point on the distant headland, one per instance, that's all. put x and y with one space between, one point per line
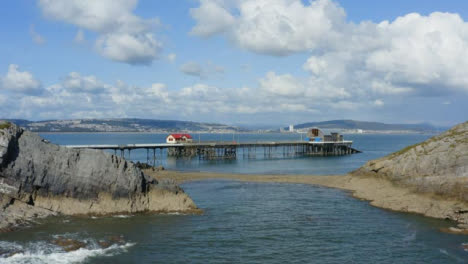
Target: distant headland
137 125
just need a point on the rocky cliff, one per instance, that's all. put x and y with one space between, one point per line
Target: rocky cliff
437 167
38 178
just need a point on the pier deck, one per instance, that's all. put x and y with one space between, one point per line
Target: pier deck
211 144
229 150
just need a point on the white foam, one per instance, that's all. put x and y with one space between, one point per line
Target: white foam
42 253
122 216
174 213
443 251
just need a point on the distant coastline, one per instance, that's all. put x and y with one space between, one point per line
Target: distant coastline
154 126
384 132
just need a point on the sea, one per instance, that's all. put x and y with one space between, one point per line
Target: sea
248 222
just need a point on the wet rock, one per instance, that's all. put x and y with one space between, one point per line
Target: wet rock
104 243
465 246
111 240
69 244
454 230
117 239
143 166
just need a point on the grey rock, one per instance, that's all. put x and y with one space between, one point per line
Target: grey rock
57 179
34 167
437 167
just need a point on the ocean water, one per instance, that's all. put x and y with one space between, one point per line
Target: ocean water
250 222
372 146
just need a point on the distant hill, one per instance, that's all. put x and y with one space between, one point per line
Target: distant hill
122 125
372 126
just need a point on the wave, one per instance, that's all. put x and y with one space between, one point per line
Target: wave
122 216
42 252
176 213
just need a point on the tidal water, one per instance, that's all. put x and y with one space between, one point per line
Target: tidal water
250 222
372 146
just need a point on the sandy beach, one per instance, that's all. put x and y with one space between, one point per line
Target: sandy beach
379 192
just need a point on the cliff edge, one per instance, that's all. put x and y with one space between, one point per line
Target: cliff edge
38 179
436 168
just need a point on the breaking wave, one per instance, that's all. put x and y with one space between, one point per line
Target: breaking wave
44 252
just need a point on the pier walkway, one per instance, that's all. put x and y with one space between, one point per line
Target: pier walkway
230 150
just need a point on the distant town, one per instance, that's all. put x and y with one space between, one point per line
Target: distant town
125 125
134 125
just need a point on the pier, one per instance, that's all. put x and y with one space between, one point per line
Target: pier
231 150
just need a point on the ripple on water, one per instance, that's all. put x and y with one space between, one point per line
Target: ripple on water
250 223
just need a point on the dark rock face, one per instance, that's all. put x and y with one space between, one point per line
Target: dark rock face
62 180
33 167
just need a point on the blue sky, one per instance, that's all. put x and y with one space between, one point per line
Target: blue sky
235 61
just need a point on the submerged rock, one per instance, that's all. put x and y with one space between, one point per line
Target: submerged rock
143 166
454 230
38 179
68 244
112 240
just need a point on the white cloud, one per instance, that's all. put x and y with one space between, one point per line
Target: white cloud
379 102
85 96
192 68
98 16
129 48
75 83
206 70
211 17
412 55
20 82
277 27
159 91
36 37
345 105
123 36
275 96
171 57
282 85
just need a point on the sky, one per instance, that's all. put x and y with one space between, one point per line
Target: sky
242 62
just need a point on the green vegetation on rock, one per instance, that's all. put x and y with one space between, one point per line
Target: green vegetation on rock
5 125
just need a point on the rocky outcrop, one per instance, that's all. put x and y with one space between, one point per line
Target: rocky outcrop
437 167
38 178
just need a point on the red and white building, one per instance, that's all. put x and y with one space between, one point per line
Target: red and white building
179 138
